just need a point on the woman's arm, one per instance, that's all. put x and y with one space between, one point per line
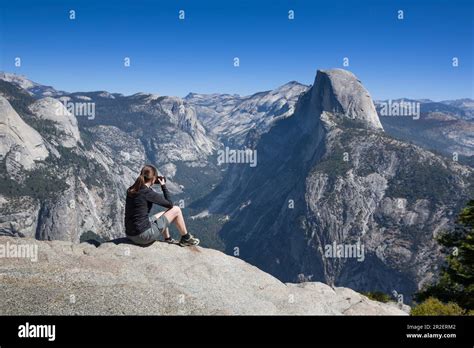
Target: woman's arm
163 200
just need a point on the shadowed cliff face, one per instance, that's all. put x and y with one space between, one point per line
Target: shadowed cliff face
329 179
62 278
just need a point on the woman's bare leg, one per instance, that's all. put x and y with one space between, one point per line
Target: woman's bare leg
166 231
175 215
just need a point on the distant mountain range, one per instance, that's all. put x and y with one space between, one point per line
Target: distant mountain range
446 127
333 171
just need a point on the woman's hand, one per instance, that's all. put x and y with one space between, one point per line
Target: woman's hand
161 180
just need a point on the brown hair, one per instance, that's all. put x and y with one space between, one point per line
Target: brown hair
147 173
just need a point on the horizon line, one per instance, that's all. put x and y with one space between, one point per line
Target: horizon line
220 93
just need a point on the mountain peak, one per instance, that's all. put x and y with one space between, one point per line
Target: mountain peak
19 80
339 91
31 87
290 88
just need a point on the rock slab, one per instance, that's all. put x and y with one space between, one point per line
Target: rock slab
124 279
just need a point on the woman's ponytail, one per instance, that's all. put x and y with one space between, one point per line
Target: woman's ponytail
147 173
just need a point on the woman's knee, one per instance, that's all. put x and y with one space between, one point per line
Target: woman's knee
175 211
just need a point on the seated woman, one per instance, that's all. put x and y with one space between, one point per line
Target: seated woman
144 229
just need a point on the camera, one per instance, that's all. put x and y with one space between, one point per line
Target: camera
160 178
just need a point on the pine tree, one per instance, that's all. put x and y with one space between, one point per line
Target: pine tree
456 283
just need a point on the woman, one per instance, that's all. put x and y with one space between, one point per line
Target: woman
144 229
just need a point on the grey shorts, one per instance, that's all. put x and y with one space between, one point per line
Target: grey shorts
153 233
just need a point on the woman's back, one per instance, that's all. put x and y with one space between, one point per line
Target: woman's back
138 206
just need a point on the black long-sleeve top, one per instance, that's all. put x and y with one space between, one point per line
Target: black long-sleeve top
138 206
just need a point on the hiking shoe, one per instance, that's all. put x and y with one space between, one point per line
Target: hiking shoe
170 241
189 242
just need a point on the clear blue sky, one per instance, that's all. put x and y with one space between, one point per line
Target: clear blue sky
393 58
